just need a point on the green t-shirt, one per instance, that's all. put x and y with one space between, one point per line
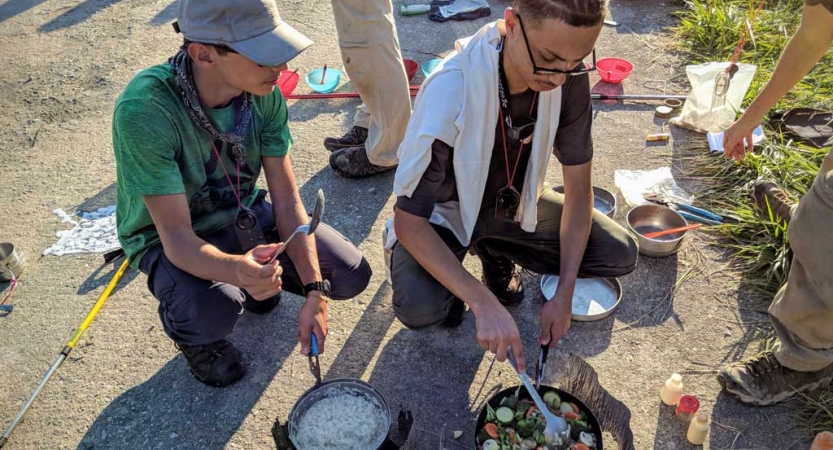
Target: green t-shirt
161 151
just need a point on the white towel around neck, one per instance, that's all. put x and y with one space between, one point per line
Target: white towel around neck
458 104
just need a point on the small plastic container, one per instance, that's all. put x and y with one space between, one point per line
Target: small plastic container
613 70
698 429
411 67
672 391
430 65
687 408
331 79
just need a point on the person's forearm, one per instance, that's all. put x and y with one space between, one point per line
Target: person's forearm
576 220
302 250
803 51
193 255
423 243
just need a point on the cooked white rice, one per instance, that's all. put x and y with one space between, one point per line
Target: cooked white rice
341 421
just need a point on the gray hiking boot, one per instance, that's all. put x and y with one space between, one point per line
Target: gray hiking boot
768 197
353 138
352 162
762 380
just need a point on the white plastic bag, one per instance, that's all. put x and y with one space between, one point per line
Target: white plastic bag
636 184
698 113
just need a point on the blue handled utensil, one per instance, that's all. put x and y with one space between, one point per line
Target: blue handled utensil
695 218
688 212
699 211
314 365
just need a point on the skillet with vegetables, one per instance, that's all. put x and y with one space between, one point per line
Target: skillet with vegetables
511 421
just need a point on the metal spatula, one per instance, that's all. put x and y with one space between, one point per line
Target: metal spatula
557 432
308 229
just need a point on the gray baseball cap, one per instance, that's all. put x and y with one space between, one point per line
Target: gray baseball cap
252 28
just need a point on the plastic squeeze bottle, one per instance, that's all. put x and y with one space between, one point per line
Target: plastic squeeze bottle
698 429
673 390
823 441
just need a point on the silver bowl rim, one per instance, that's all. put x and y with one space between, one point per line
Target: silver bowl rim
609 196
616 284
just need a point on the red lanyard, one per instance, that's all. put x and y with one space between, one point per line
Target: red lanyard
12 285
235 192
510 179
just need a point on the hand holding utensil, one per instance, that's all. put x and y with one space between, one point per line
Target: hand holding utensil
308 229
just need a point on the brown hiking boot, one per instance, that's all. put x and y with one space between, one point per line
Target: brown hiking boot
771 202
216 364
353 138
352 162
762 380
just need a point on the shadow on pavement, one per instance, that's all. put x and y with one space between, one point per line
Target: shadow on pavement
14 7
173 410
76 15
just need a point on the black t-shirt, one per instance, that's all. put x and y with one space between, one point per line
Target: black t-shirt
573 146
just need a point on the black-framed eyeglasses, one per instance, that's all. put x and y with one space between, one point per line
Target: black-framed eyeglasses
580 69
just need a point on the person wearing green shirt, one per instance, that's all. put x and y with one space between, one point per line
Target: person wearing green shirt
191 138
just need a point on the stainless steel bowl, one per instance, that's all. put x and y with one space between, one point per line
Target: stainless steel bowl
335 387
649 218
607 300
603 200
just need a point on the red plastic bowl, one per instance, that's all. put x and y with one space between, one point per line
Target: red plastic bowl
287 81
411 67
613 70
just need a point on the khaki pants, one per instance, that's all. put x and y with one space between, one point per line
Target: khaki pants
370 52
802 311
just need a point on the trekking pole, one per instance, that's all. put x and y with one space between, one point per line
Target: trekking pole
67 348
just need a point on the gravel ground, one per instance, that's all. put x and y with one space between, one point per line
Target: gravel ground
62 67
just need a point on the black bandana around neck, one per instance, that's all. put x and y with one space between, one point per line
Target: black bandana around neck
181 66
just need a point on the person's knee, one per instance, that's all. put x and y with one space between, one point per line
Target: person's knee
202 318
624 253
418 309
351 281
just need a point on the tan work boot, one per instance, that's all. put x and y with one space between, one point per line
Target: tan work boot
767 196
762 380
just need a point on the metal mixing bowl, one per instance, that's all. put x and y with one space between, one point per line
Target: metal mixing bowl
603 200
338 386
649 218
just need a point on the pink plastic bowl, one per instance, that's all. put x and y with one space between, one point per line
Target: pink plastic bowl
613 70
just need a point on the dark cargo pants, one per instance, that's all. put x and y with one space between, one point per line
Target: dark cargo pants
194 311
420 301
